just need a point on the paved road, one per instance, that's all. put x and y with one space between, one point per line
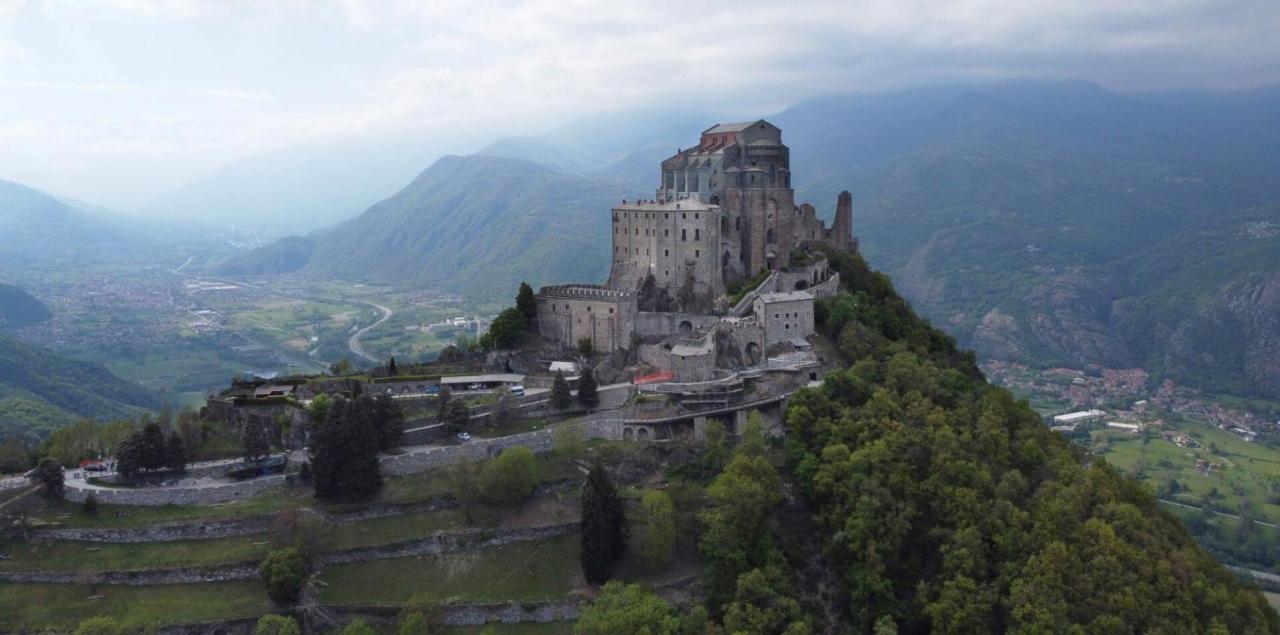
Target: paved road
354 342
1223 514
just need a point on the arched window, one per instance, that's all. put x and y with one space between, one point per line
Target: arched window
768 235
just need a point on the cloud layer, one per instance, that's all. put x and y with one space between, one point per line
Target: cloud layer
109 99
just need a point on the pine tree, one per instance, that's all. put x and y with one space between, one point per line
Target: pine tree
442 402
527 303
388 420
561 398
587 395
391 367
49 473
151 447
361 476
327 451
603 526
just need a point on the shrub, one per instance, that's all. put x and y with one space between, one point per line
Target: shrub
358 627
284 571
90 505
511 477
657 524
100 625
276 625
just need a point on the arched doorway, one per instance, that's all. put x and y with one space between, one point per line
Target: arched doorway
627 434
686 327
753 353
642 434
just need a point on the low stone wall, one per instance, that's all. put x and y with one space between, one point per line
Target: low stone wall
162 532
448 542
143 577
191 495
229 627
468 614
476 450
424 434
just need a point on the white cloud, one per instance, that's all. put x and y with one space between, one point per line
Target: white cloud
89 80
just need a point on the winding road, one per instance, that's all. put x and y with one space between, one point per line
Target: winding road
354 342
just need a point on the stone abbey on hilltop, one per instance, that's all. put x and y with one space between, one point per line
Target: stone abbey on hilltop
723 219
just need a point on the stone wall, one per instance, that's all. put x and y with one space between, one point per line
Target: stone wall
571 312
672 241
655 324
189 495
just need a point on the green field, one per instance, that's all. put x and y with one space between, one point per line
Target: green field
41 607
85 556
531 571
1245 473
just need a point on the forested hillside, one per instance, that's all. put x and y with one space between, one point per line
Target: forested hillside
18 308
946 505
41 391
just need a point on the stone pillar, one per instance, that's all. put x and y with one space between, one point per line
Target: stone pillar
842 228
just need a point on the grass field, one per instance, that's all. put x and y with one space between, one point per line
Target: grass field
60 607
1245 473
65 555
544 570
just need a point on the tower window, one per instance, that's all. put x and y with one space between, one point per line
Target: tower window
684 234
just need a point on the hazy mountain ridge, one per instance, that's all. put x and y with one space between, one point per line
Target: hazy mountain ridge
476 224
41 391
38 230
1027 218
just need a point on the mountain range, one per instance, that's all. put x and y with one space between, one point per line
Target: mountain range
1046 222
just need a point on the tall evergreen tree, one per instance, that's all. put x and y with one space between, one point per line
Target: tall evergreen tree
151 446
391 367
561 398
526 302
344 453
603 526
327 451
362 477
388 420
587 394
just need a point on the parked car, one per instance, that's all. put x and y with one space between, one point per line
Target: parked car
517 391
464 436
475 386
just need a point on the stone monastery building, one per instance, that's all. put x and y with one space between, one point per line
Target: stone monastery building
724 213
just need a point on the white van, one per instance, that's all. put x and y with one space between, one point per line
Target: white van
517 391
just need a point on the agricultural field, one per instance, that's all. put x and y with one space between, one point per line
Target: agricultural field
1241 472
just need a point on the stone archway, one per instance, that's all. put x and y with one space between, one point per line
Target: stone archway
801 284
642 434
686 327
627 434
753 353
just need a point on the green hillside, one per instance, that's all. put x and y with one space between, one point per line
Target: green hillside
476 224
41 391
19 309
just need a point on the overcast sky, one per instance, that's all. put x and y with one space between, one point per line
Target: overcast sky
116 100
